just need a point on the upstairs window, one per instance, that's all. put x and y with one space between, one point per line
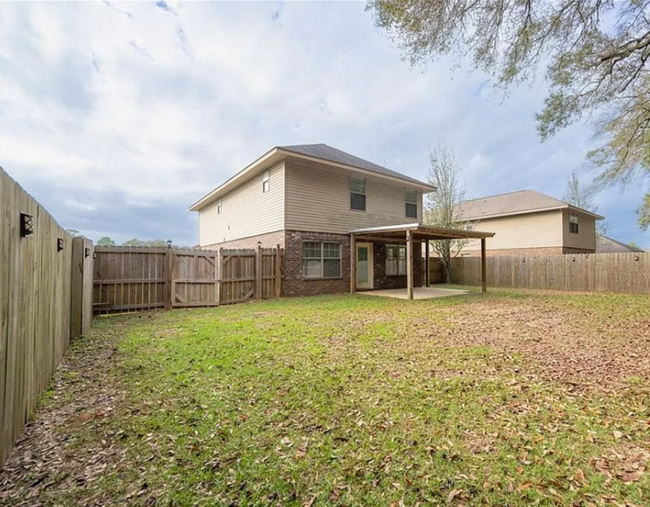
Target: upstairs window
411 201
358 193
266 182
321 260
219 207
469 226
395 260
573 223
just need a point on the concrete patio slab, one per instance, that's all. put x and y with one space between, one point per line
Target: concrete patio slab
418 293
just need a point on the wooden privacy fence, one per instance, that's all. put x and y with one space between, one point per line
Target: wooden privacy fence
45 300
604 272
129 279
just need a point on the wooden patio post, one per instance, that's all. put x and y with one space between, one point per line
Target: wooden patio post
409 264
353 264
427 273
483 266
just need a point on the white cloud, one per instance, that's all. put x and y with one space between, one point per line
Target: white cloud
118 116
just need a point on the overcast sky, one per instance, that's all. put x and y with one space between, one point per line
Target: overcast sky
118 116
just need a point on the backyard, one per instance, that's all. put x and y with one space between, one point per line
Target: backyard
507 398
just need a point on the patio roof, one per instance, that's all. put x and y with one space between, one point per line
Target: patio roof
418 231
410 233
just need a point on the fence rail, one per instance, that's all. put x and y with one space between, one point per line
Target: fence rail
604 272
128 279
45 281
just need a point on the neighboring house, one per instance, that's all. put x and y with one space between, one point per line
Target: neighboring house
605 244
308 199
529 223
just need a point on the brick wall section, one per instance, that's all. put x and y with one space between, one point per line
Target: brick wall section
294 284
269 240
382 281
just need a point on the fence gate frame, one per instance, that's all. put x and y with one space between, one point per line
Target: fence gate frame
145 278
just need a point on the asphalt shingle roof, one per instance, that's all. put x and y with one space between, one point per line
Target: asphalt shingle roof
511 203
327 153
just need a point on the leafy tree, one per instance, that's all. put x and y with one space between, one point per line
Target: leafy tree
443 204
151 243
105 241
595 53
644 213
73 232
582 196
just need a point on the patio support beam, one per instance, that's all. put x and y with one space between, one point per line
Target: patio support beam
427 281
483 266
409 264
353 264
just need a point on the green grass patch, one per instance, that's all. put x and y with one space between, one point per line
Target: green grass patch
353 400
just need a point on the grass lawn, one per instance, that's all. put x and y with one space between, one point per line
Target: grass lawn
508 398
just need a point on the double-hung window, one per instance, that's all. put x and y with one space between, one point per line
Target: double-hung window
321 260
573 223
358 193
266 182
395 260
411 202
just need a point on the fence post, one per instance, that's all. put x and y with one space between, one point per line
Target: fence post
169 260
258 273
278 271
218 275
76 289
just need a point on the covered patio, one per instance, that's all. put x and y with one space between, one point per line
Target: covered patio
409 234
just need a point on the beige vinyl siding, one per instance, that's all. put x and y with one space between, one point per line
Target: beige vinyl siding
586 237
246 211
318 200
532 230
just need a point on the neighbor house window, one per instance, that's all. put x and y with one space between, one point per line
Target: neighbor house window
469 226
411 201
395 260
573 223
219 207
321 260
266 182
358 193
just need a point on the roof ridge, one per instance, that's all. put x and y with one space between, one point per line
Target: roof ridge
500 195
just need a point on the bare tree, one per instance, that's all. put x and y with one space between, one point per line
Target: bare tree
582 196
442 207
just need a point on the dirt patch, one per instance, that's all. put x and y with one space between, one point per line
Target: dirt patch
568 344
82 395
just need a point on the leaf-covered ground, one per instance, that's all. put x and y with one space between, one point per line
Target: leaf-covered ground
499 399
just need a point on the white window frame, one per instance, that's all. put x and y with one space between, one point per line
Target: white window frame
219 206
414 202
364 193
266 182
574 220
321 258
396 262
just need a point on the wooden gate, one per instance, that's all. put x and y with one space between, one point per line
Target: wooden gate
195 280
130 279
248 274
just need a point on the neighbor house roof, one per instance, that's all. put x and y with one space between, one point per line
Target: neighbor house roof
514 203
314 152
609 245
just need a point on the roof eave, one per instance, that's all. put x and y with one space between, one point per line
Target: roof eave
209 197
529 211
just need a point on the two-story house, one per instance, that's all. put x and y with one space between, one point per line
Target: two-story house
311 200
530 223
